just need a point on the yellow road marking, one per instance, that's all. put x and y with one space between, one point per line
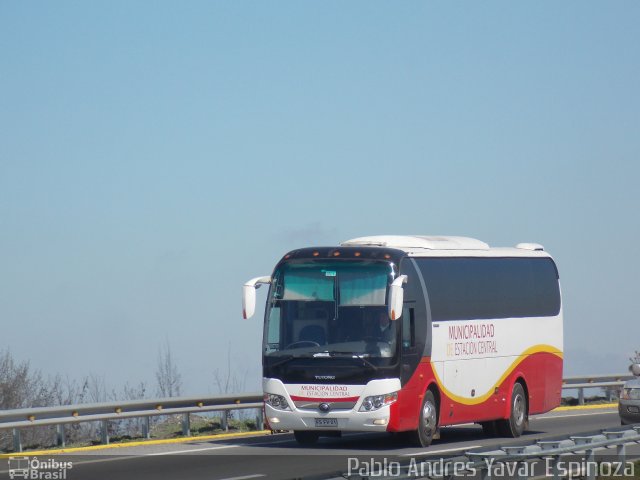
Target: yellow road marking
142 443
585 407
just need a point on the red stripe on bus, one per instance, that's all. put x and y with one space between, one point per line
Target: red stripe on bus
314 399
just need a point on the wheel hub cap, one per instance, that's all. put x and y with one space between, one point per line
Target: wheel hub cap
518 409
428 417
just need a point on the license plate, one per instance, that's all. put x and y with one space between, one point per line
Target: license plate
326 422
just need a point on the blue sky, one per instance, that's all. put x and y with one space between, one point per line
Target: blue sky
154 156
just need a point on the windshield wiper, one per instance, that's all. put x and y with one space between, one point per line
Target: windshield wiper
287 359
327 354
366 362
357 356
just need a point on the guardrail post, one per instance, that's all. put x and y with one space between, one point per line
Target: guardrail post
224 420
485 474
591 459
581 396
259 420
17 440
60 440
146 427
555 471
621 450
585 441
105 432
186 425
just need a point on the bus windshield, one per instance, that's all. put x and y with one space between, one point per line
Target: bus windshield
324 308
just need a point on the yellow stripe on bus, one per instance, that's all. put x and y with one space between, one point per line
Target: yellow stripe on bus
512 367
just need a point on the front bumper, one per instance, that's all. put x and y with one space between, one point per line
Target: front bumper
629 411
349 419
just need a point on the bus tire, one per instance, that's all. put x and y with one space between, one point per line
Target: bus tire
427 421
518 415
306 438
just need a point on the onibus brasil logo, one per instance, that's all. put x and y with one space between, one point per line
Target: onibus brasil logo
38 469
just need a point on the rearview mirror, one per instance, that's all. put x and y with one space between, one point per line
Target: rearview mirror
396 297
249 295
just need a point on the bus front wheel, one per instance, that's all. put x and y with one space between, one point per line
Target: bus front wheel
518 417
306 438
428 421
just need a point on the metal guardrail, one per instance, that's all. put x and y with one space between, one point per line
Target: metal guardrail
109 411
554 449
583 382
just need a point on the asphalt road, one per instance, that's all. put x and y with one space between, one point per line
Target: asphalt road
279 456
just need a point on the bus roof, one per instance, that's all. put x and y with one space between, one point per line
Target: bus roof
424 245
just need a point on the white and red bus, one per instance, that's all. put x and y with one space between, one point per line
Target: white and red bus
408 334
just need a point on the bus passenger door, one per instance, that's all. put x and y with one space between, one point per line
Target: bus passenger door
410 354
410 357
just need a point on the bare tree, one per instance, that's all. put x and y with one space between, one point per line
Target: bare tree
16 382
229 381
64 391
635 358
169 380
134 392
95 389
22 387
132 426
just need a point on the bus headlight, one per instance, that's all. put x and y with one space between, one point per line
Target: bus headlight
630 394
378 401
276 401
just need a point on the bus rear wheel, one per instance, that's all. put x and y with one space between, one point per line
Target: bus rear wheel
306 438
427 422
519 416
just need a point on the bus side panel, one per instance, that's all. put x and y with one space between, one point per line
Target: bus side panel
541 372
405 412
553 390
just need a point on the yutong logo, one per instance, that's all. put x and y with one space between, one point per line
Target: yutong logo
35 468
325 377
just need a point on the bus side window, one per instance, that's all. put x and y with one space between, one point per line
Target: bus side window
273 334
408 328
